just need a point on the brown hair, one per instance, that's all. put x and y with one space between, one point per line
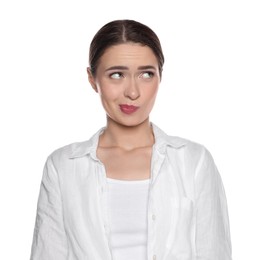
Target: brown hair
122 31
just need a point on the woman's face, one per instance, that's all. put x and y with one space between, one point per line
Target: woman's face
127 80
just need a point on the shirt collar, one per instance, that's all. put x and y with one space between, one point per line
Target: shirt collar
162 140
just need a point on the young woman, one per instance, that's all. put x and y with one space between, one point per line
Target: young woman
131 191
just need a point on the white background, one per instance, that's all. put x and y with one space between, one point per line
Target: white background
211 93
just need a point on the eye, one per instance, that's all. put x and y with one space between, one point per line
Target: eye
116 75
147 74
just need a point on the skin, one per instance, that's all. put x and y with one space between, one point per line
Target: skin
125 147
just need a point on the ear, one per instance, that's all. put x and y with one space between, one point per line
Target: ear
92 79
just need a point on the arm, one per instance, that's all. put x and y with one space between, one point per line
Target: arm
49 240
212 222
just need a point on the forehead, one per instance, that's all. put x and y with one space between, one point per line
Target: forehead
126 53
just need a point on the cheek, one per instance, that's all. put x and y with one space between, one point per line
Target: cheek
103 88
108 92
152 91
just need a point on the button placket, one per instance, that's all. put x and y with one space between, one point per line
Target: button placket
151 227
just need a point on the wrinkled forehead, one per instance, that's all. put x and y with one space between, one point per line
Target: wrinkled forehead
128 54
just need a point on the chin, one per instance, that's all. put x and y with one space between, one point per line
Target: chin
130 122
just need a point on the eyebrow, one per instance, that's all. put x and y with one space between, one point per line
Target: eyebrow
126 68
117 68
146 67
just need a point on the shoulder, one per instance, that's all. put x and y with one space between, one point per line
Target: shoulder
194 153
66 150
186 145
63 153
76 149
196 158
192 150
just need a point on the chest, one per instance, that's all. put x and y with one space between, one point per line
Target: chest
127 218
169 209
126 165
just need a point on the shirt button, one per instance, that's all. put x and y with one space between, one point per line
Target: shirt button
153 218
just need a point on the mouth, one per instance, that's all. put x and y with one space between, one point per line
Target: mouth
128 109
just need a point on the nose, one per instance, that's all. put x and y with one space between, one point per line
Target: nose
132 91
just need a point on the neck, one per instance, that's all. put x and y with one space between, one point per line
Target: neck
127 137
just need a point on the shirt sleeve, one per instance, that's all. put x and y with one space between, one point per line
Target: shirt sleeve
49 239
212 222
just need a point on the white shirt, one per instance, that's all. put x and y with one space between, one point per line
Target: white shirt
127 203
187 209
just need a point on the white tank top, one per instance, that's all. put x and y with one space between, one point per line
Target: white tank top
127 211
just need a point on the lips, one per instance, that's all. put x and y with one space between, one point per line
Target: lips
128 109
